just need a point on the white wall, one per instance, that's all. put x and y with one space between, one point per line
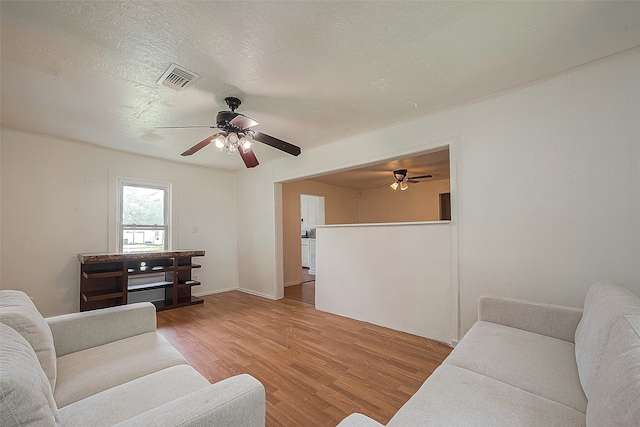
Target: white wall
257 271
548 197
396 276
56 199
549 188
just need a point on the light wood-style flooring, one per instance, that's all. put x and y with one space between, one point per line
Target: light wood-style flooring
304 292
316 367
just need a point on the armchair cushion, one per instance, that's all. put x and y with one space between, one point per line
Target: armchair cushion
133 398
604 306
614 400
237 401
453 396
546 319
535 363
18 311
80 331
87 372
25 391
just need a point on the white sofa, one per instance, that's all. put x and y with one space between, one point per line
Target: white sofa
528 364
108 367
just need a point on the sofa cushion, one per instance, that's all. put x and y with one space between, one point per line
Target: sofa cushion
535 363
604 306
615 399
18 311
25 391
453 396
87 372
133 398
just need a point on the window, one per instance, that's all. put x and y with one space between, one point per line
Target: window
144 216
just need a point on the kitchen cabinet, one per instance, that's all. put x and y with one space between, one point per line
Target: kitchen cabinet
311 211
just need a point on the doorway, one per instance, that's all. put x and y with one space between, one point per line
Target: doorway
311 215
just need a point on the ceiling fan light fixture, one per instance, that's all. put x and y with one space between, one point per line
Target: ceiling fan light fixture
403 186
394 185
219 141
245 144
232 138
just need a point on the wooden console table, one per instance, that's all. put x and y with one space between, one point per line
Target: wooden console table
104 278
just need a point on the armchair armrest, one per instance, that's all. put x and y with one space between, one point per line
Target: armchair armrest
235 402
80 331
359 420
546 319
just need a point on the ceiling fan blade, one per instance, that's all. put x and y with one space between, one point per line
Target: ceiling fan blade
199 146
413 181
243 122
422 176
249 158
186 127
294 150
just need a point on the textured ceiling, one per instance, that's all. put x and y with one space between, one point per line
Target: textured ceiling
309 72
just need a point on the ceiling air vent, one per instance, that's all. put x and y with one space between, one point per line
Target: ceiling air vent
178 78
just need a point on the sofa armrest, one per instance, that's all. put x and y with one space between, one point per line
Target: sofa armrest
80 331
359 420
546 319
235 402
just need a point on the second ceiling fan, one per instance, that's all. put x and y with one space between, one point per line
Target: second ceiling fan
402 179
236 136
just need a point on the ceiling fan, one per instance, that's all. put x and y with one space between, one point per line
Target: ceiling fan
402 179
236 136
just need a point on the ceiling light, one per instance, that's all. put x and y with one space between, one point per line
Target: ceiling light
404 186
394 185
232 142
219 141
245 144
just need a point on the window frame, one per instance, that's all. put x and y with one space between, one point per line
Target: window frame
121 228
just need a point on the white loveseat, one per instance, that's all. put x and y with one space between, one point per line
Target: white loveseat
528 364
108 367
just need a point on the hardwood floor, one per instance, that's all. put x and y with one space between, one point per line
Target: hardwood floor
306 276
316 367
304 292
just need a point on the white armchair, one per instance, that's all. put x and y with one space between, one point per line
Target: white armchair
109 367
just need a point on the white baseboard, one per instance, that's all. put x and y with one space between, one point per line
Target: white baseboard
258 294
218 291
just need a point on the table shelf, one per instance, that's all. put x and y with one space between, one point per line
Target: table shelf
149 286
100 274
90 296
104 278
